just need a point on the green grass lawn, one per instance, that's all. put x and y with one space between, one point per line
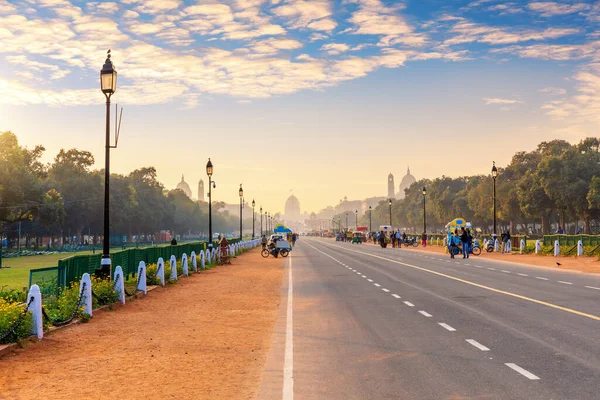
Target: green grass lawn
17 276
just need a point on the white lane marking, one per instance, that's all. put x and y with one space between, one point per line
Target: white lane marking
477 266
385 290
566 283
408 303
477 344
539 277
447 327
592 287
456 262
448 261
364 276
377 284
288 363
505 271
468 265
370 280
518 273
492 269
425 313
522 371
396 296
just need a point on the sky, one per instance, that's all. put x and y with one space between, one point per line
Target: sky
318 98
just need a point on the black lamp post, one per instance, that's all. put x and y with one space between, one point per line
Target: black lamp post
266 224
261 226
494 176
108 84
356 220
270 222
209 172
390 204
346 222
424 216
241 192
253 217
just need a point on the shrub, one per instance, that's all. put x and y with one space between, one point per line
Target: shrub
151 277
65 304
13 295
9 314
104 291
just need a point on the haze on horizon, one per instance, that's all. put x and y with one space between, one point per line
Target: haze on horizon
316 97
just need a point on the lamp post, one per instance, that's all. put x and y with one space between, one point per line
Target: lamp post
494 176
266 224
108 84
261 226
370 212
356 220
390 204
346 222
424 215
253 217
209 172
241 192
270 222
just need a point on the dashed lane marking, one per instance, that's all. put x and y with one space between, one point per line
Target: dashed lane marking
520 274
408 303
542 278
565 282
477 344
447 327
593 287
377 284
522 371
385 290
396 296
425 313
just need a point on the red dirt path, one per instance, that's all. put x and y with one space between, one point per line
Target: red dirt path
205 337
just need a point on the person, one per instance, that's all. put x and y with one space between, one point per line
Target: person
173 242
382 239
505 242
393 237
264 242
294 238
470 242
403 237
273 247
424 239
452 243
464 238
376 237
398 237
224 250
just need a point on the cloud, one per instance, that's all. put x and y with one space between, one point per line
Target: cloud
335 48
325 24
468 32
272 45
303 13
497 100
553 91
551 8
154 6
557 52
506 8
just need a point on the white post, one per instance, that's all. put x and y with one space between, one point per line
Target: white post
87 295
508 246
173 265
495 244
184 264
437 241
207 256
160 270
36 310
556 248
194 261
142 275
119 283
538 246
521 246
213 256
579 248
202 263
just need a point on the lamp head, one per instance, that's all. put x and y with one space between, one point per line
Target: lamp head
209 168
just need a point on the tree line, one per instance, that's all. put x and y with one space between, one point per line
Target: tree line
65 198
555 185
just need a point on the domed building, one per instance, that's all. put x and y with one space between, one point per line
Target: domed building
405 183
292 209
184 187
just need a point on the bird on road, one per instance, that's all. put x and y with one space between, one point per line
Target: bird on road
558 264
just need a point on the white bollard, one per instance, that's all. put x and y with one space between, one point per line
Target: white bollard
142 287
173 265
556 248
87 295
184 264
207 256
495 244
508 247
119 283
521 246
437 241
202 264
36 310
579 248
160 270
213 256
194 261
538 246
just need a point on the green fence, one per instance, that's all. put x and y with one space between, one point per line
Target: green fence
72 268
571 240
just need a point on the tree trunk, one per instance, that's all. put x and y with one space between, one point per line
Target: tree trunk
586 228
544 224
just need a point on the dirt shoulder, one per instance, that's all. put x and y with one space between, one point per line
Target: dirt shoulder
582 264
205 337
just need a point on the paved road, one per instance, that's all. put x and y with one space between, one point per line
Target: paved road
372 323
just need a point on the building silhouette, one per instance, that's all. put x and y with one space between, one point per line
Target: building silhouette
391 186
405 183
201 190
184 187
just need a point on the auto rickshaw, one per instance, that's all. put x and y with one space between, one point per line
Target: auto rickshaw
357 238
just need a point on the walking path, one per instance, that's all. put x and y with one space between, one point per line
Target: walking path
205 337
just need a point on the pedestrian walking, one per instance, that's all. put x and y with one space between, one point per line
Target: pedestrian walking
464 238
398 238
424 239
264 241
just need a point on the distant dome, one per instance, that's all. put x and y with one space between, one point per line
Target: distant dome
405 183
292 208
184 187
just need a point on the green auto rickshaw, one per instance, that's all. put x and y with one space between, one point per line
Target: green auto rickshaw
357 237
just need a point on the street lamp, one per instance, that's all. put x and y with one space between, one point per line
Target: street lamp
261 225
356 220
494 176
253 217
424 216
241 192
346 222
390 204
370 211
270 224
209 172
108 85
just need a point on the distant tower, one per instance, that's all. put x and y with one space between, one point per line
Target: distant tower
201 190
391 187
